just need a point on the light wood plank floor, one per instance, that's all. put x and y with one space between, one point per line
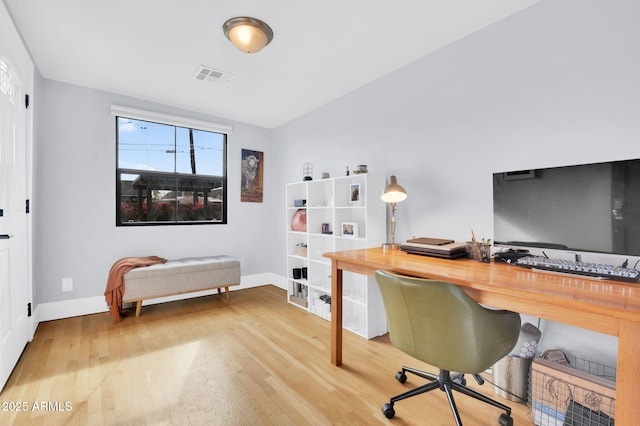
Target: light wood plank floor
255 360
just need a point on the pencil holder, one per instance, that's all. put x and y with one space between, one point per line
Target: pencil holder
480 252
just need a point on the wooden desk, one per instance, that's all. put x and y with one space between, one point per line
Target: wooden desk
604 306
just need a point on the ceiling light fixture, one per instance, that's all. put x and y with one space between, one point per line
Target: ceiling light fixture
249 35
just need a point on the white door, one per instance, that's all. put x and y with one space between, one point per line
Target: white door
16 77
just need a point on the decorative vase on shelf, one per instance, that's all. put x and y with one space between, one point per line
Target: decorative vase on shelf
307 171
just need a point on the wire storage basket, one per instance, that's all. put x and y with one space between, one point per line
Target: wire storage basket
577 393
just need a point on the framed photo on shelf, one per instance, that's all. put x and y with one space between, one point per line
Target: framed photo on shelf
354 194
349 229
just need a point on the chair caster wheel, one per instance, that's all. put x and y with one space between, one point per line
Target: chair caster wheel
388 411
479 379
461 380
504 419
401 377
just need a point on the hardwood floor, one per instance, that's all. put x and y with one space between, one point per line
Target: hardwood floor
254 360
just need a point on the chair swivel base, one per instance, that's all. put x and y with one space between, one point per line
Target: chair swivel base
446 383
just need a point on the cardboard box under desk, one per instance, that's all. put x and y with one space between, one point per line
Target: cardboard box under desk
554 386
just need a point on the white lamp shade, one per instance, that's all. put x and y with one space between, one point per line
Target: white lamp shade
247 38
393 193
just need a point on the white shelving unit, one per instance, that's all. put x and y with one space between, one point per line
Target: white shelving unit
349 202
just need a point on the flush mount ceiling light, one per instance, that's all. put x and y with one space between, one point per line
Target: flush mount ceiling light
249 35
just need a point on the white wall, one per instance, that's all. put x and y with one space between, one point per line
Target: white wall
555 84
74 204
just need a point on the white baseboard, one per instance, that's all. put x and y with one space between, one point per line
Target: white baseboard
70 308
92 305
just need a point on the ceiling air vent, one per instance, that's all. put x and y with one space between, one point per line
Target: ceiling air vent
213 75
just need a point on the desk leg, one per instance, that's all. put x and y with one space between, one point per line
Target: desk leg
628 374
336 314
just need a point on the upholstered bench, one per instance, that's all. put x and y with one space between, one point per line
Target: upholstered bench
180 276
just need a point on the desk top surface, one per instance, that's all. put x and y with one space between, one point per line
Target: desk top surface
533 291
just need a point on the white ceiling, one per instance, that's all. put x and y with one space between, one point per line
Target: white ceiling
151 49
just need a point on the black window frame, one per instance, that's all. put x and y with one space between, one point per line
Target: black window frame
181 180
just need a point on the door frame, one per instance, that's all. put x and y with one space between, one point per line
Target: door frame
23 65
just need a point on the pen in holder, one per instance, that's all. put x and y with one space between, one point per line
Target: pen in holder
481 252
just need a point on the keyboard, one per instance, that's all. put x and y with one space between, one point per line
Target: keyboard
593 270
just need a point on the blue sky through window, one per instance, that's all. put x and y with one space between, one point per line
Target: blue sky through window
143 145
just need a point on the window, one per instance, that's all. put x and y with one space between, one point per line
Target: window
169 174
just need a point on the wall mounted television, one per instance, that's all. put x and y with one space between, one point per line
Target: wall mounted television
583 208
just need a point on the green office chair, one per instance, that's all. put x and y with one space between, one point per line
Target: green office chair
438 323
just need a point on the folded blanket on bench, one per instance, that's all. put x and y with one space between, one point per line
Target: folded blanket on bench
115 282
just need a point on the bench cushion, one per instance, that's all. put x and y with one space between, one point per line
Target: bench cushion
180 276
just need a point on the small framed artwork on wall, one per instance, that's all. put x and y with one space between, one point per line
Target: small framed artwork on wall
252 166
349 229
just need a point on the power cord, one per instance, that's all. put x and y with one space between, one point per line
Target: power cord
500 387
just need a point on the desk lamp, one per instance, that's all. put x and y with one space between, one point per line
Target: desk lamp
393 194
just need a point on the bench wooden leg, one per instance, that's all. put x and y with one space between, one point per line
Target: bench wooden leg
138 307
226 290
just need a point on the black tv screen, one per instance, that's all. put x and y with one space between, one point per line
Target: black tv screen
587 208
